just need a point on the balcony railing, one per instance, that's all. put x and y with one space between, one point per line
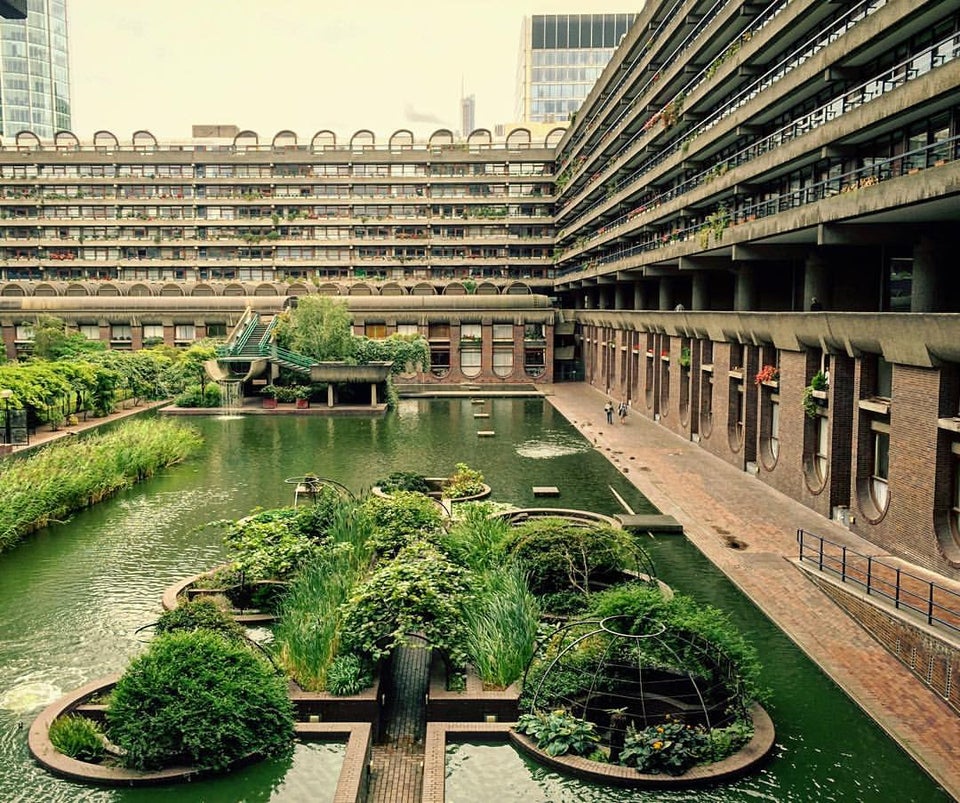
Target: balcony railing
937 605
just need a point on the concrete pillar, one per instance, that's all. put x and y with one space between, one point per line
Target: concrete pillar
330 395
587 300
620 296
700 292
639 295
373 394
665 295
745 288
816 281
604 297
930 264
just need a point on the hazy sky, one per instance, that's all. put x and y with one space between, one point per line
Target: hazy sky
303 65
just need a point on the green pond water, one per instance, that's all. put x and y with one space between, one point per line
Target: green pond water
73 595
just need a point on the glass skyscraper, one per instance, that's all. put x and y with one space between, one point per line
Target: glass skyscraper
561 57
34 71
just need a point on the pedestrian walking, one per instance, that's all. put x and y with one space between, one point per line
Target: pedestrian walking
608 409
622 412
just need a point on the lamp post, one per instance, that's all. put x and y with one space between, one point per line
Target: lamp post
5 394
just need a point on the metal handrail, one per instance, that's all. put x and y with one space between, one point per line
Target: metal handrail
938 605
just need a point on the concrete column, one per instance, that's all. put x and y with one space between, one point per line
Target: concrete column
816 281
639 295
620 296
330 395
587 300
665 295
744 288
373 394
605 297
700 292
930 264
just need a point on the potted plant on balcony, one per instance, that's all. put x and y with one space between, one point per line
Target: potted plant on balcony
815 394
302 396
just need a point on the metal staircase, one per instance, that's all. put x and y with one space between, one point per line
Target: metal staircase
252 339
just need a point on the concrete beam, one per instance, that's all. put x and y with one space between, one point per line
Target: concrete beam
763 252
704 263
867 233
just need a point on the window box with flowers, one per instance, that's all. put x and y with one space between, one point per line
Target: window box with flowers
768 375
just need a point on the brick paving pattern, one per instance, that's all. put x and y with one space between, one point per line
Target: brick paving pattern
748 530
397 766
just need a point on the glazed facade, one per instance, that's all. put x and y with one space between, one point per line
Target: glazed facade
561 57
749 231
35 71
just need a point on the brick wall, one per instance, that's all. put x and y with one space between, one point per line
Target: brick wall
933 661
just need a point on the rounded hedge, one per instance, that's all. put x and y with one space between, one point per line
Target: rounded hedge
197 699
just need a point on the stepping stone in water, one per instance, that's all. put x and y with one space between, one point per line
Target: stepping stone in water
546 490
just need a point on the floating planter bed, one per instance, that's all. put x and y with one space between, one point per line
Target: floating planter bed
352 774
242 596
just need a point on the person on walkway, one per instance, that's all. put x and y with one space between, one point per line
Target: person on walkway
608 409
622 412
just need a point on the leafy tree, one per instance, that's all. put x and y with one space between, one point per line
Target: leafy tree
193 363
318 327
52 342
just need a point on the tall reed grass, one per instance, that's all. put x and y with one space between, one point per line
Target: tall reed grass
307 634
68 476
501 624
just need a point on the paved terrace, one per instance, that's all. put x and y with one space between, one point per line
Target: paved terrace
716 503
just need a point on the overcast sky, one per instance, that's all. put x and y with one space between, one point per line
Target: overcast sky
303 65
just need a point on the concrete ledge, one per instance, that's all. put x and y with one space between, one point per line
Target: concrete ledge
474 703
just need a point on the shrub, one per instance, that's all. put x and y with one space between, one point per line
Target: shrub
558 733
401 518
465 481
404 481
419 591
199 700
671 747
270 544
78 737
202 613
195 396
347 675
559 554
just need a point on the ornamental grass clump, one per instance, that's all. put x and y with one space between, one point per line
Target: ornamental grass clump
307 634
69 476
501 622
197 699
476 540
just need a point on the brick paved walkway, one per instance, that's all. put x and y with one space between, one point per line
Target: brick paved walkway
397 775
716 503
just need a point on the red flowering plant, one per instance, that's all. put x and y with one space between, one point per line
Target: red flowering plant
769 373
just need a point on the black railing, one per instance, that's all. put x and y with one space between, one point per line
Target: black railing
939 606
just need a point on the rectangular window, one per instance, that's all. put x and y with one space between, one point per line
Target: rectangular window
503 331
408 329
439 331
121 333
90 331
375 331
153 332
185 333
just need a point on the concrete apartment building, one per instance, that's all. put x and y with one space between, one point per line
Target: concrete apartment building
734 162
